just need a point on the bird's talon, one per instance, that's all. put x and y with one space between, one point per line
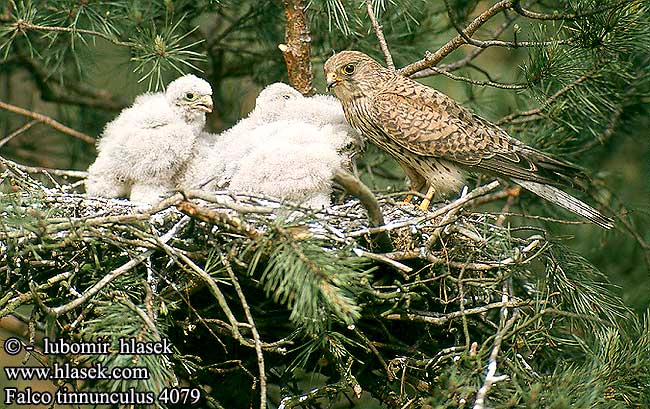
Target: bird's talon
407 201
424 206
514 191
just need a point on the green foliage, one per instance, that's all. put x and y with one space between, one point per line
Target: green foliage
316 282
593 80
120 318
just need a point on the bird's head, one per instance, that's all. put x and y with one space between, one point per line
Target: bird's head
272 101
191 96
353 74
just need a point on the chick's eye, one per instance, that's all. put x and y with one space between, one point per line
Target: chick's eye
190 96
348 69
286 96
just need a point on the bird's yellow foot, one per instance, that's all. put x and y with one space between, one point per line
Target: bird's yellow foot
407 200
514 191
427 199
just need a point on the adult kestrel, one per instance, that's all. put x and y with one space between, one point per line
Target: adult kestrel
437 141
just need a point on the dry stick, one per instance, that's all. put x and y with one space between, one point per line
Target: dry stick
382 258
256 335
221 299
461 294
297 50
465 61
432 59
356 188
123 269
480 191
222 201
17 132
500 43
218 218
214 289
491 377
517 7
47 121
443 319
149 321
464 37
476 82
22 26
34 169
380 36
423 253
12 303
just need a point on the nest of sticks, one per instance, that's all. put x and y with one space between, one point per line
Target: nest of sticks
379 298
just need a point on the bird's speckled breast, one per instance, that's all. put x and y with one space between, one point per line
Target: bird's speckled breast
444 176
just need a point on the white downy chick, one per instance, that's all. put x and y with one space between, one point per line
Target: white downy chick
295 161
288 147
144 151
213 169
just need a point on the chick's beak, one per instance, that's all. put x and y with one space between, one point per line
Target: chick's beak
332 80
204 104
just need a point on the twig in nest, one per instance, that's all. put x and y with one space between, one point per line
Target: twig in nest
218 218
355 187
444 318
480 191
57 172
382 258
491 377
123 269
251 322
222 201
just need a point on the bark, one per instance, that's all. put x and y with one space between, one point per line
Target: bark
297 49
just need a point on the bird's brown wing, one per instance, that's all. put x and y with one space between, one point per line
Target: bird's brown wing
428 123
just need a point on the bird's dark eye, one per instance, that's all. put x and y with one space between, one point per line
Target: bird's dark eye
286 96
190 96
348 69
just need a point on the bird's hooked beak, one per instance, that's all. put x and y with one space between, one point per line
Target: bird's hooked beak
332 80
204 104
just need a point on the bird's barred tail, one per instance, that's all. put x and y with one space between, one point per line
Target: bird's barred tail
560 198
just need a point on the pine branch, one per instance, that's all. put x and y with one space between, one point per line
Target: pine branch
47 121
432 59
533 113
435 70
256 335
22 27
380 35
516 6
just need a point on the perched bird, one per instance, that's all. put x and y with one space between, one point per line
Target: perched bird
437 141
143 151
281 133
